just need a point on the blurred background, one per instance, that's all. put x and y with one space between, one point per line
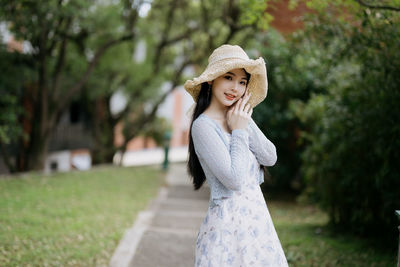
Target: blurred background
97 82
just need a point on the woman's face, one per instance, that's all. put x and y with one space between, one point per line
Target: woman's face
229 87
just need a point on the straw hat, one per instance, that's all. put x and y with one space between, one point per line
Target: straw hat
229 57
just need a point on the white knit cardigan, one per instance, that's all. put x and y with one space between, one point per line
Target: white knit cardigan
225 163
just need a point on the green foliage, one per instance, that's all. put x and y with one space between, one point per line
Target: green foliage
254 12
9 111
179 34
296 68
68 39
83 49
350 163
321 6
15 69
332 111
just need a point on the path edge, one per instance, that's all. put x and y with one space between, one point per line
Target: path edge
125 251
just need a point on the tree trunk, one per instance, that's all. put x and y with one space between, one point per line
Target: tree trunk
122 153
103 126
37 154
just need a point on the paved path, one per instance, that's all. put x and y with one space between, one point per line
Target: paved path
165 234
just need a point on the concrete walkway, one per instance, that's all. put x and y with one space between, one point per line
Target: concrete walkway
165 234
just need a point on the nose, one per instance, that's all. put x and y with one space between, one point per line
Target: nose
236 87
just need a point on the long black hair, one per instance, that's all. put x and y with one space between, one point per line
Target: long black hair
194 168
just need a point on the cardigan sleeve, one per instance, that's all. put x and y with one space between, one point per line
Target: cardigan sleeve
263 149
229 167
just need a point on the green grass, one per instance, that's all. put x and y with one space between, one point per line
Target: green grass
71 219
308 241
78 218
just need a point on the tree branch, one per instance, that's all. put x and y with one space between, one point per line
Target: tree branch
206 24
178 38
233 30
60 64
78 86
134 129
57 29
163 42
386 7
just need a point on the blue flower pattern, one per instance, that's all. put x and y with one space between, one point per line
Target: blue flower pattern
239 231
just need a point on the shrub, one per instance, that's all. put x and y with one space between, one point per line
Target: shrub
351 162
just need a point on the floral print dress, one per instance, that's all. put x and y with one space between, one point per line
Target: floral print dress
239 230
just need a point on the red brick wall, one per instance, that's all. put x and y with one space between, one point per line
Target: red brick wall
286 20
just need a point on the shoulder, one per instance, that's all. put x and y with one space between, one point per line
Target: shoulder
202 122
203 129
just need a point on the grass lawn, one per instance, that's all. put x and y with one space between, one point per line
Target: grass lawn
78 218
308 242
71 219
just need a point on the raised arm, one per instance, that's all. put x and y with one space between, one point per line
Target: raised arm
228 167
262 148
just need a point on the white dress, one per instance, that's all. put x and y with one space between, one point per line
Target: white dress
239 230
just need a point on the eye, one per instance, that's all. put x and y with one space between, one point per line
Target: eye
243 82
228 77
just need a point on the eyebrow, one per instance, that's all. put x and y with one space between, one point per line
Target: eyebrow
243 77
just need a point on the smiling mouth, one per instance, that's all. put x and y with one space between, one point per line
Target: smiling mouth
229 97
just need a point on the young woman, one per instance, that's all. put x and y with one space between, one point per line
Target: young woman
227 149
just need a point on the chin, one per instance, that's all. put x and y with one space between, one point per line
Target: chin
228 103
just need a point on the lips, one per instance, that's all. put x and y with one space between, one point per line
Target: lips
229 96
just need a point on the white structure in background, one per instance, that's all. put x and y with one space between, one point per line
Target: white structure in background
67 160
152 156
81 161
59 161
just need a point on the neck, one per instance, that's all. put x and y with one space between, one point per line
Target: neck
217 110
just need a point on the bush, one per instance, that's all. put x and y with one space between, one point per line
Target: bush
292 74
351 162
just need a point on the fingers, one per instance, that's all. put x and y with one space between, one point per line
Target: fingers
236 108
239 113
242 105
244 102
247 108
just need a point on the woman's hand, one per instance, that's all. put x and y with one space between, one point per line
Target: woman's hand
239 114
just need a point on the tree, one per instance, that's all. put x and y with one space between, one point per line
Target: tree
68 39
296 69
14 71
177 34
350 164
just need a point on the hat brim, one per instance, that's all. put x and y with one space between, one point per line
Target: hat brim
258 84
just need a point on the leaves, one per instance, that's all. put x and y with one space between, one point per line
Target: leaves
349 162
